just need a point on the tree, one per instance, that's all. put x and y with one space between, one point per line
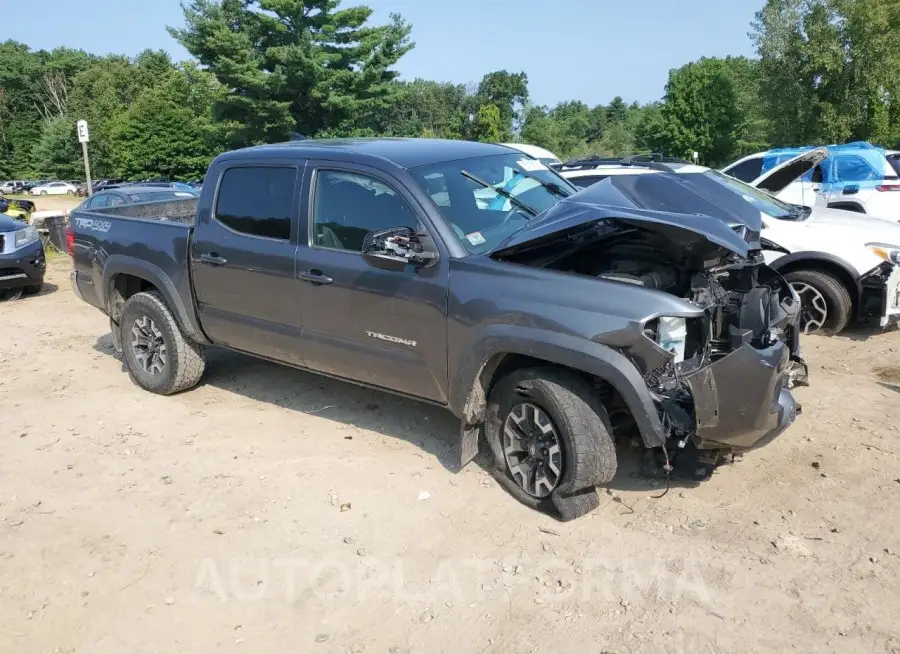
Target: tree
426 108
831 69
160 135
508 92
487 126
295 64
700 113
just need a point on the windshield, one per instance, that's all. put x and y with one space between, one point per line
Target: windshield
763 202
485 199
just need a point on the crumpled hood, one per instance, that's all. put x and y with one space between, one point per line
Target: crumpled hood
8 224
574 216
695 203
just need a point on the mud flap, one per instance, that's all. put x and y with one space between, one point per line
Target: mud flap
116 334
469 436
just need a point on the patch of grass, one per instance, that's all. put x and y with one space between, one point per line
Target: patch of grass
890 374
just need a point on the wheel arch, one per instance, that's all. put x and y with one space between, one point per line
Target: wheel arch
838 268
508 348
124 276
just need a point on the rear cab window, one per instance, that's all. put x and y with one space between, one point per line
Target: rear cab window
257 200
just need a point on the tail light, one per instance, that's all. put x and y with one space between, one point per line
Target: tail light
70 240
888 187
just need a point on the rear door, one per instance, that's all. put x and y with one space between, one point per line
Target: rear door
242 260
376 325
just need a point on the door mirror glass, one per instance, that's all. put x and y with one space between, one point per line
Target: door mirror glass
398 244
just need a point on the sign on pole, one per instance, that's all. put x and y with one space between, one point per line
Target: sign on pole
84 137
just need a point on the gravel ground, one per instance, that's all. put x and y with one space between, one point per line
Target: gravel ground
272 510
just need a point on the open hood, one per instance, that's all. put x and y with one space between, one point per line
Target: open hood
573 220
779 177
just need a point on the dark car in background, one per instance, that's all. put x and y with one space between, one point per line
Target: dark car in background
22 262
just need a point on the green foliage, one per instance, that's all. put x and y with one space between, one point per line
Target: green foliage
488 124
830 69
299 65
700 113
508 92
827 71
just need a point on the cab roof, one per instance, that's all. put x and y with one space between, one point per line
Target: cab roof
403 152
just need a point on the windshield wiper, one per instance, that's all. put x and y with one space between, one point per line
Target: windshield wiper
555 189
500 191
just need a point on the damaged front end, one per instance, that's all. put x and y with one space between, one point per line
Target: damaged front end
730 392
718 348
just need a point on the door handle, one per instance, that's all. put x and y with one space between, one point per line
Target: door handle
213 259
316 277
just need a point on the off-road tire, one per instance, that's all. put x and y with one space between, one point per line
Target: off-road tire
837 298
186 360
589 453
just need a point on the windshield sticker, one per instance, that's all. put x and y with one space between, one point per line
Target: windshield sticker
531 165
475 238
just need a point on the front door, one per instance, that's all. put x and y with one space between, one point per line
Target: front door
242 260
376 325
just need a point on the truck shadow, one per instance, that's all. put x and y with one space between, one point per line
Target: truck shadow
430 428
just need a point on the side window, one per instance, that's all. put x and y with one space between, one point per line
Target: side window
748 170
851 168
257 200
99 201
116 200
349 205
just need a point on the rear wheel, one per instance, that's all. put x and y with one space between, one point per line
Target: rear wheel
158 356
826 305
551 440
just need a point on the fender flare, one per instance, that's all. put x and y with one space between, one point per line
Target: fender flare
118 264
852 273
468 398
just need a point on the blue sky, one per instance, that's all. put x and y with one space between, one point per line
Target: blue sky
590 50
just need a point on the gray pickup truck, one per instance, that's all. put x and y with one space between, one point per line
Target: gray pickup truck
473 277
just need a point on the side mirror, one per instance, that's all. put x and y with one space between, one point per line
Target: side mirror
399 245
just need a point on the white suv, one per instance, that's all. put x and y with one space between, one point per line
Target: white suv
855 177
843 265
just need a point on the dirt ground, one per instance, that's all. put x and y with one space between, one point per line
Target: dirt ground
270 510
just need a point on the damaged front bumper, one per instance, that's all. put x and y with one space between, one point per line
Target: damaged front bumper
737 396
881 294
743 400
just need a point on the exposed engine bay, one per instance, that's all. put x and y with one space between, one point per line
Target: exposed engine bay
719 381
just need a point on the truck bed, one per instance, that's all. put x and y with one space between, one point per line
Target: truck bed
153 237
176 211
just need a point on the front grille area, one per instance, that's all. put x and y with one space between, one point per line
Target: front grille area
2 242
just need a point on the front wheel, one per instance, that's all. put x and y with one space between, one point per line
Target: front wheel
826 306
551 440
159 358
